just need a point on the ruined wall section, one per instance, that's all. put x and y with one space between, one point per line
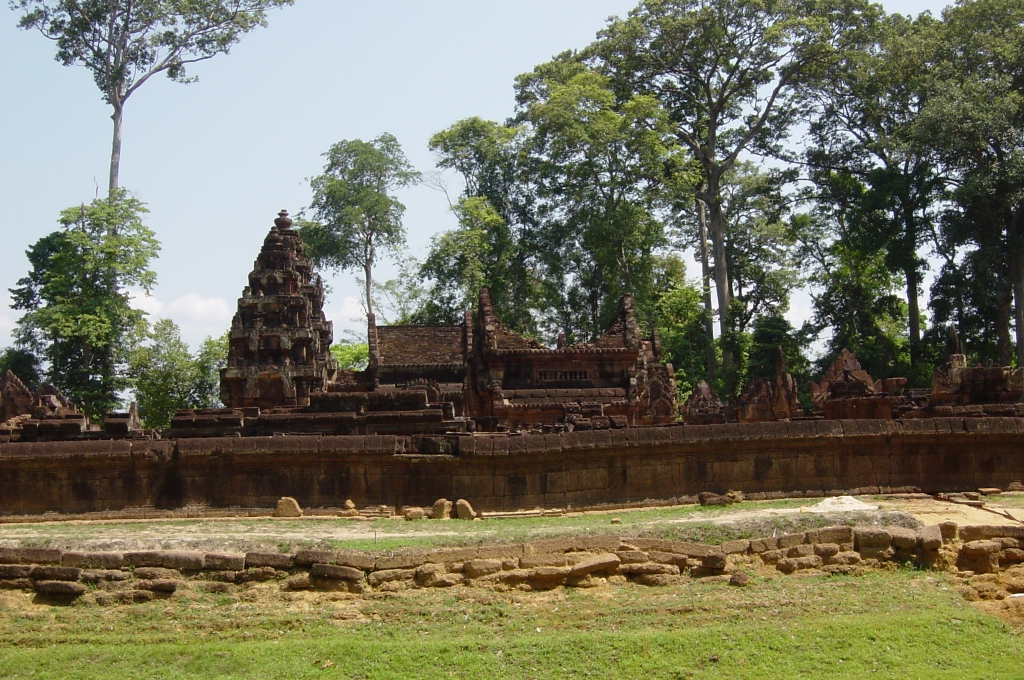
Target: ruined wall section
501 472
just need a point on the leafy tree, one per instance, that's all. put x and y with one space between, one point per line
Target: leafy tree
167 377
211 357
865 127
771 332
974 121
494 244
355 213
23 363
124 43
599 166
731 74
681 315
78 316
351 356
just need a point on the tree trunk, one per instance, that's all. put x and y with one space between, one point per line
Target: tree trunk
1017 279
115 148
716 227
914 312
709 320
1003 343
367 269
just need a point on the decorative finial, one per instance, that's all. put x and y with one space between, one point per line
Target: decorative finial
283 221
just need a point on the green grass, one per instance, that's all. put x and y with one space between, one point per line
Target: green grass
901 624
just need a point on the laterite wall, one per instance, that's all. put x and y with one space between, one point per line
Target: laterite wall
498 472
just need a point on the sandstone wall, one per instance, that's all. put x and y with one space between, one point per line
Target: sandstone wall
499 472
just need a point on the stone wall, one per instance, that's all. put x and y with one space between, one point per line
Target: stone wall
583 562
501 472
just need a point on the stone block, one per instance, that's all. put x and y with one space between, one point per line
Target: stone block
904 539
464 510
481 567
930 537
791 564
101 575
790 540
442 509
714 561
648 568
275 560
15 584
183 560
56 573
866 537
801 550
59 588
158 585
543 560
826 550
337 572
14 571
93 560
377 578
982 547
224 561
30 556
633 556
595 564
155 573
287 507
948 530
773 556
146 558
739 547
404 560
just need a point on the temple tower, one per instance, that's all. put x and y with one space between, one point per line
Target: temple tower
280 339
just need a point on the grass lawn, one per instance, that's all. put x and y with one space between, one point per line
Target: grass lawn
901 624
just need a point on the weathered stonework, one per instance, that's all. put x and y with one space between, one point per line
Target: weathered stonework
280 340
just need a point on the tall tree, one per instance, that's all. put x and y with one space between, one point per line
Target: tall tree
78 315
974 119
124 43
730 73
355 213
599 167
864 126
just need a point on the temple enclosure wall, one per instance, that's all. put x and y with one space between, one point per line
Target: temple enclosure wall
508 472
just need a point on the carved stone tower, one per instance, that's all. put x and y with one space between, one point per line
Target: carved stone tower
280 338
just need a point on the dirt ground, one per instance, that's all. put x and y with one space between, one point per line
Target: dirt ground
243 534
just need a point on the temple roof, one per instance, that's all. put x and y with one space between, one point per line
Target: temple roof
419 345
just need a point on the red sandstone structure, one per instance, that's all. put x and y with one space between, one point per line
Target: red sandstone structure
479 412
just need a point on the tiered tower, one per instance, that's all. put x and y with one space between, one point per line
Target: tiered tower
280 339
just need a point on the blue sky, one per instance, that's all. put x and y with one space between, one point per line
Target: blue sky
217 159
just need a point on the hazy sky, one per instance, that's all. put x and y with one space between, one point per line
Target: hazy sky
217 159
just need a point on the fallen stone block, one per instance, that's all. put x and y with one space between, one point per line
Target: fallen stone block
414 513
223 576
595 564
739 579
464 510
980 532
287 507
445 581
710 498
658 580
948 530
879 554
773 556
259 575
983 547
442 509
67 588
1011 556
298 582
275 560
101 575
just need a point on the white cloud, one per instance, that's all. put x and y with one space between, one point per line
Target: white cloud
196 315
8 319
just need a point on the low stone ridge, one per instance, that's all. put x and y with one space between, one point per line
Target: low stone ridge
540 565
